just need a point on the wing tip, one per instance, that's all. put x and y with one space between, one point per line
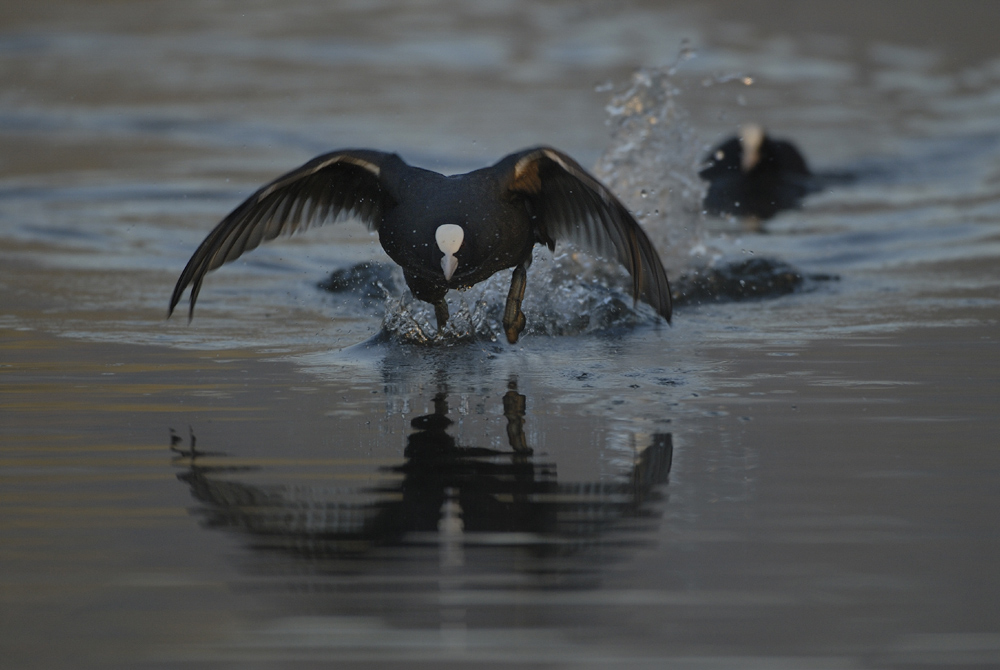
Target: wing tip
663 307
666 307
174 299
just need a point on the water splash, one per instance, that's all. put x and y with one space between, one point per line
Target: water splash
567 294
652 163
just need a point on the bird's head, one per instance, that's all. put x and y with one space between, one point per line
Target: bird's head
449 238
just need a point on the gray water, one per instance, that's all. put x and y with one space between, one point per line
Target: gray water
807 481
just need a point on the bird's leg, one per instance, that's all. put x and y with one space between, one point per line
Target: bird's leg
513 317
430 293
441 312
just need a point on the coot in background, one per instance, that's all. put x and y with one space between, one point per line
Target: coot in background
753 175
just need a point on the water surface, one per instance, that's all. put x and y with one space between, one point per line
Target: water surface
806 482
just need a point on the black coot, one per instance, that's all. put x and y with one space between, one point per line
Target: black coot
445 232
753 175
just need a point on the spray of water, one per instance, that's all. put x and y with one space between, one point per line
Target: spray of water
652 161
567 294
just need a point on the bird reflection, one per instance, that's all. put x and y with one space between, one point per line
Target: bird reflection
442 493
494 489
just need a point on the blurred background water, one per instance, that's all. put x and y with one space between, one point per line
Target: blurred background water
807 481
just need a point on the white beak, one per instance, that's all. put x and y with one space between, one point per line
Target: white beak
448 264
449 238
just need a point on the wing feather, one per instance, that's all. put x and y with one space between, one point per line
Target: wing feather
576 207
331 187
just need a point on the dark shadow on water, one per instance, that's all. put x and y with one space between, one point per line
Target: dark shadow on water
755 278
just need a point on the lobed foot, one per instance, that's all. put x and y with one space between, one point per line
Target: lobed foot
513 318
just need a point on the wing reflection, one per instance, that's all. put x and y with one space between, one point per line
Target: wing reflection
443 492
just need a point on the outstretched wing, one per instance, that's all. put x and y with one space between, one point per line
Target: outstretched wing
572 205
334 186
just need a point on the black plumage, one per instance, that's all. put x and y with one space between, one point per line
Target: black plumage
753 175
536 196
